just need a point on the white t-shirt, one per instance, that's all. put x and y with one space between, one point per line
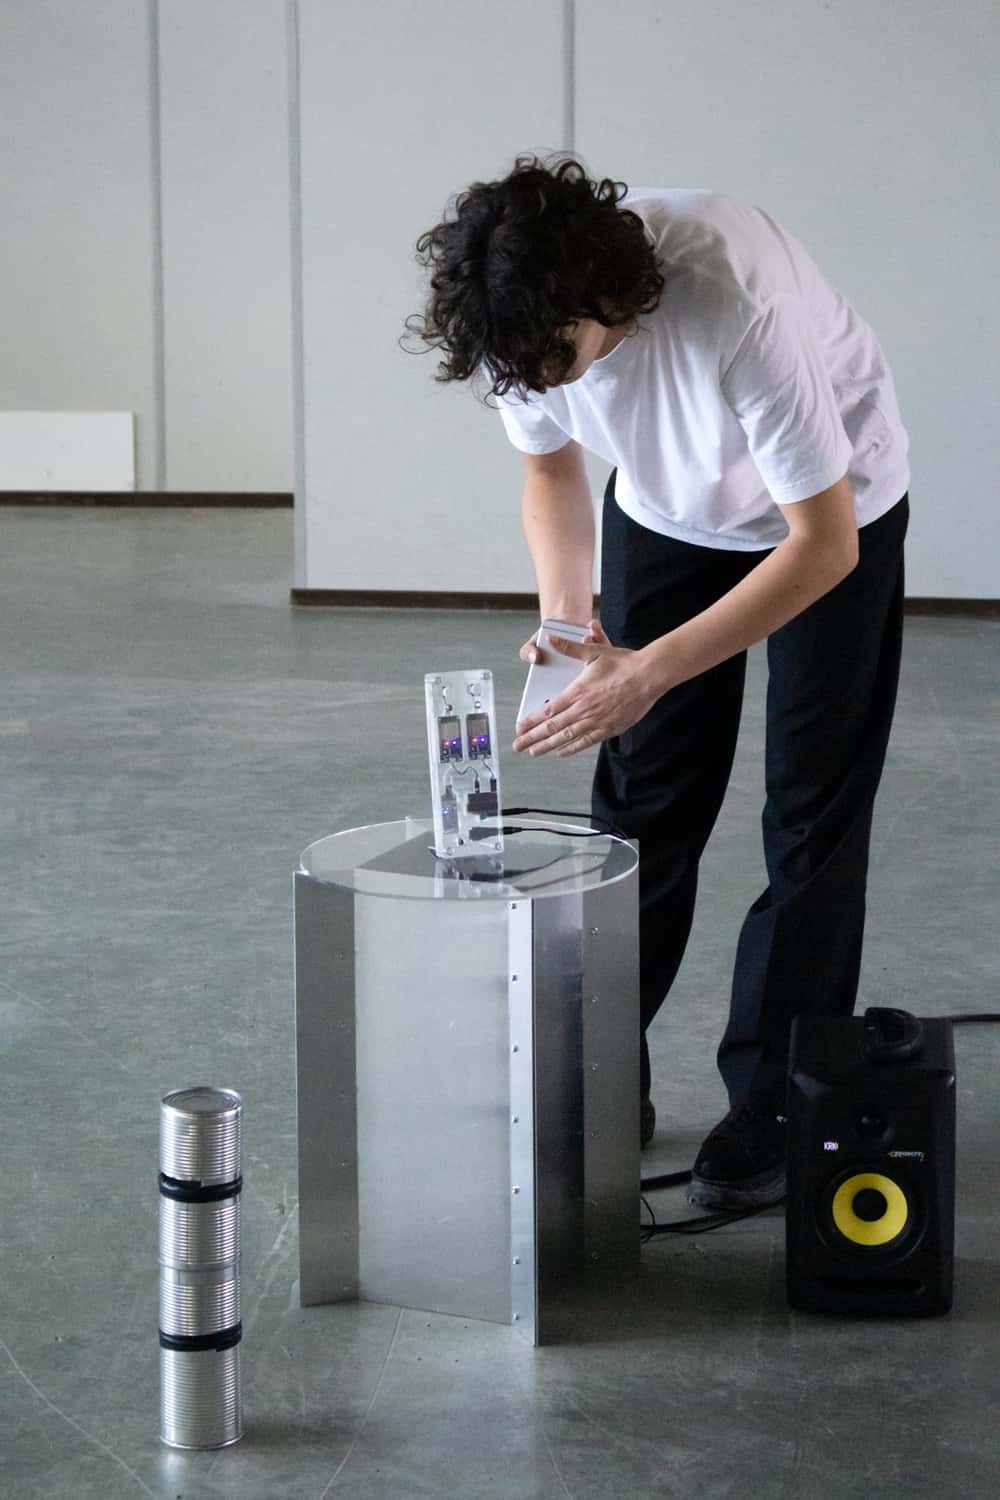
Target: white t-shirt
753 381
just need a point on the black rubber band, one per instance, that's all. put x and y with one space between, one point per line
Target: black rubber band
196 1192
227 1338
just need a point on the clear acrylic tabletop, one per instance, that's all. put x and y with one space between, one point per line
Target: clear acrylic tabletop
398 860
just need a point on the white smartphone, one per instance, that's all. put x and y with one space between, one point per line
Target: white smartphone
549 677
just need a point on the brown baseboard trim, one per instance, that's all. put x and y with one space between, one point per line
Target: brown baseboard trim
979 609
404 599
130 500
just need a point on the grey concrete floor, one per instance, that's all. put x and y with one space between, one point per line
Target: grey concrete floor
173 734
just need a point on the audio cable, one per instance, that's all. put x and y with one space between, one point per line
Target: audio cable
512 828
700 1225
553 812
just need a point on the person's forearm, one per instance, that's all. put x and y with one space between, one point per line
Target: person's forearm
558 521
795 575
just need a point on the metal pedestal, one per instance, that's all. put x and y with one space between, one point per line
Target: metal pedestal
468 1076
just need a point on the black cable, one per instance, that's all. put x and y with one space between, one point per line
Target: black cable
480 832
669 1179
707 1221
703 1223
566 833
965 1020
700 1225
555 812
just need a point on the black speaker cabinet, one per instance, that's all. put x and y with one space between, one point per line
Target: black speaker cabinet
871 1165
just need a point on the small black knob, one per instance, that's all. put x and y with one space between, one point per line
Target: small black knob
869 1204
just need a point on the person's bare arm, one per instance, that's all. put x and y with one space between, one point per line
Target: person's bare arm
618 686
821 549
558 520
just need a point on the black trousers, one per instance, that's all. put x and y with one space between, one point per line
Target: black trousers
831 692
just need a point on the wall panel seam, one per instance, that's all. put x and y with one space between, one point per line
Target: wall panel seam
300 519
156 187
569 75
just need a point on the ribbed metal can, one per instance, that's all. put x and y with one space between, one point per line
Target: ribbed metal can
200 1135
200 1398
199 1253
196 1235
194 1303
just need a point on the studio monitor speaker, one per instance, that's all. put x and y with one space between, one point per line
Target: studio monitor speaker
871 1164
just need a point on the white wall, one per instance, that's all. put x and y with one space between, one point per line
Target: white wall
77 295
868 126
144 263
226 244
406 484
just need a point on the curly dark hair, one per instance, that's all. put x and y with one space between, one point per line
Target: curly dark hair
520 260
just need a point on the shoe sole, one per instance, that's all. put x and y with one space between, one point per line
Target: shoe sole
755 1192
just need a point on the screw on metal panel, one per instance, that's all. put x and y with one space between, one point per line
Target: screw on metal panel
594 999
515 1190
594 931
517 1317
517 1260
593 1067
513 906
515 1119
513 976
515 1048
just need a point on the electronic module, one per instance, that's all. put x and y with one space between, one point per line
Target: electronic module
465 781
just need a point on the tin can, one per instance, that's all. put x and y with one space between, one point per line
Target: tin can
199 1253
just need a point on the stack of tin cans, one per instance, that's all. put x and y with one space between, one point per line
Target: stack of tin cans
200 1329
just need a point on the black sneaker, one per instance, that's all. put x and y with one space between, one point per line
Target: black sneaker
647 1121
741 1163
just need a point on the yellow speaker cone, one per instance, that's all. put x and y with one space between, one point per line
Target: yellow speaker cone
870 1230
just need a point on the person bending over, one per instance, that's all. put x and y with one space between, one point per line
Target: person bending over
759 489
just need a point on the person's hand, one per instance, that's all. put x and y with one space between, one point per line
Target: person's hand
613 692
